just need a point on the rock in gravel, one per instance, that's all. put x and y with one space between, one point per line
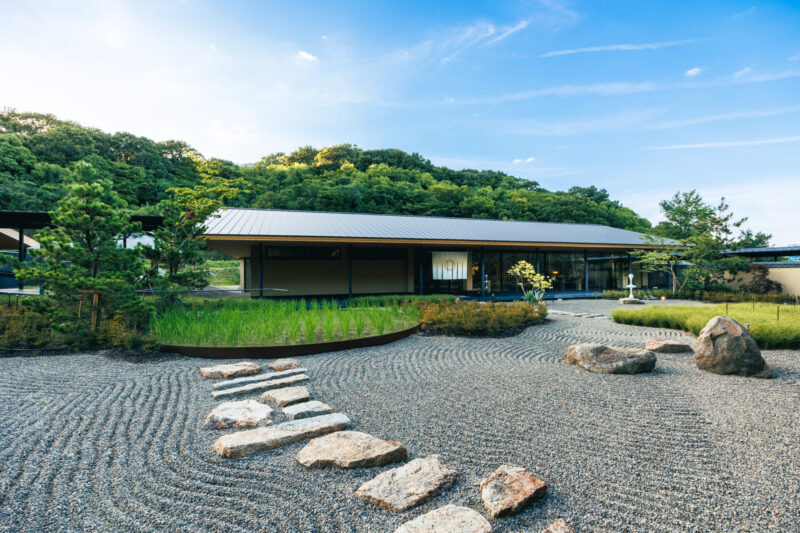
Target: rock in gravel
284 364
509 489
239 415
667 346
404 487
260 385
242 368
602 359
726 347
286 396
559 526
259 377
306 410
350 449
256 440
448 519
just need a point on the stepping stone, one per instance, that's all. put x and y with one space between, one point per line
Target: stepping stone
261 385
509 489
242 368
306 410
559 526
448 519
239 415
404 487
284 364
350 449
256 440
286 396
667 346
260 377
602 359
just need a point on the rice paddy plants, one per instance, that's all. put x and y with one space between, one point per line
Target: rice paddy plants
252 322
773 326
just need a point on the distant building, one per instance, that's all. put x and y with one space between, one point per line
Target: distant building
318 253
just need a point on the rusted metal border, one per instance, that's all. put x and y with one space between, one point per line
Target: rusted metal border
287 350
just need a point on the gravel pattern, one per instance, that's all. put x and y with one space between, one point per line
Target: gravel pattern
91 442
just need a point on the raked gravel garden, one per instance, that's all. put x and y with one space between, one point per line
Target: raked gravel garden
107 442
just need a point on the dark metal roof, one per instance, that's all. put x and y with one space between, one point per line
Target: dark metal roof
779 251
41 219
298 224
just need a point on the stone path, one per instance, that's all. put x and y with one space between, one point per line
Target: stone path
237 382
306 410
260 386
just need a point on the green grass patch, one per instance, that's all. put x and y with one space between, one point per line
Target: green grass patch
223 272
767 328
246 322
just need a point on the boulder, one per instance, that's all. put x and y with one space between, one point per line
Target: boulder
602 359
239 415
242 368
667 346
237 382
350 449
726 347
256 440
559 526
404 487
286 396
284 364
306 410
260 385
509 489
448 519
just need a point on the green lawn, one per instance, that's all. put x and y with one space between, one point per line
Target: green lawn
246 322
223 272
769 330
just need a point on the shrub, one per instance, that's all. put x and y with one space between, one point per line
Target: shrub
715 296
479 319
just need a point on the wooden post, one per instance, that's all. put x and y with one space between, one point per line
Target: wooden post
421 261
260 270
349 273
586 271
21 252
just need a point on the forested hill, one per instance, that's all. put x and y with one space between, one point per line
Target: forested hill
37 151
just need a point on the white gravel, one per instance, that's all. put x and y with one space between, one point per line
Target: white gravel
90 442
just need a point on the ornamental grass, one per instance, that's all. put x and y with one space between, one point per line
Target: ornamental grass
479 319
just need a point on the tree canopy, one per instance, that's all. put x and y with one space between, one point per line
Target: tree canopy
38 153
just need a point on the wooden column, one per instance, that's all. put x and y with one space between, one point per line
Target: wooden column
349 273
261 270
21 252
585 271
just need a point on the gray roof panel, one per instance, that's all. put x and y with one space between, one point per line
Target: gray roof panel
278 223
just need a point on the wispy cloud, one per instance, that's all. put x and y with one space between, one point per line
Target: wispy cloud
692 72
525 160
618 48
305 57
729 144
795 57
744 71
510 30
725 116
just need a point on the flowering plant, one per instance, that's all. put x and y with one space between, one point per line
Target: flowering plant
533 285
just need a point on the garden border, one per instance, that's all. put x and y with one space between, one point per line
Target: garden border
286 350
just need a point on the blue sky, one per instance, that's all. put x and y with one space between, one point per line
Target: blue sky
642 98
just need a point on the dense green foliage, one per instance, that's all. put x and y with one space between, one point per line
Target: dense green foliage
247 322
479 319
37 151
714 296
769 330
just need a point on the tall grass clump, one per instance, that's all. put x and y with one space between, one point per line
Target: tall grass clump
770 327
479 319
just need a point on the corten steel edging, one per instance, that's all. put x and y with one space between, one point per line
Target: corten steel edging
287 350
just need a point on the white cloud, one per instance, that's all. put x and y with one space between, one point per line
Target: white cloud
729 144
304 57
725 116
744 71
510 30
518 161
525 160
795 57
323 37
692 72
618 48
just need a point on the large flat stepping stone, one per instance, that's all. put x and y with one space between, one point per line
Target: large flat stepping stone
306 410
559 526
286 396
260 385
448 519
242 368
256 440
284 364
350 449
667 346
240 415
404 487
509 489
237 382
602 359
